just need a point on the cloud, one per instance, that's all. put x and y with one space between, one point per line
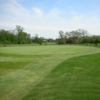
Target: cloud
37 11
14 8
47 24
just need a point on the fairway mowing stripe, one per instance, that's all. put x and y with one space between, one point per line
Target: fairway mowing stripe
17 84
46 89
26 79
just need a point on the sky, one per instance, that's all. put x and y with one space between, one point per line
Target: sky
47 17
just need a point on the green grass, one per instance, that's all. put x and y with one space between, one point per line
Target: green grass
30 72
74 79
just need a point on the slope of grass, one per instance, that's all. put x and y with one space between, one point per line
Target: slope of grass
23 67
74 79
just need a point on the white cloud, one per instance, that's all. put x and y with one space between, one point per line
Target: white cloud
46 24
37 11
14 8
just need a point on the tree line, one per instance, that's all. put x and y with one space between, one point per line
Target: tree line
18 36
79 36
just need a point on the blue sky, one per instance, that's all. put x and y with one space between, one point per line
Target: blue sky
47 17
78 5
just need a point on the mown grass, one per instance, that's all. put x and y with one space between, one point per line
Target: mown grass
23 67
74 79
7 67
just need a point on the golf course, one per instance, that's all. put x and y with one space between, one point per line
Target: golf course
50 72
